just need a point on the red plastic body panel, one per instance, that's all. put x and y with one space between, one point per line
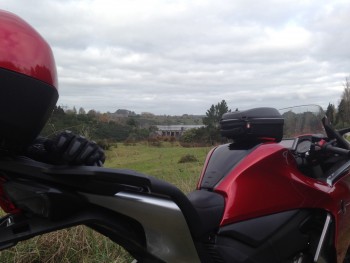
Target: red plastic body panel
265 182
268 181
23 50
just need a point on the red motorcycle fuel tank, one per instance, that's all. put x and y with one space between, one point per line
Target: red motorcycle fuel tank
259 180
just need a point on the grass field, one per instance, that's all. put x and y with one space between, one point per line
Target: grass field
80 244
161 162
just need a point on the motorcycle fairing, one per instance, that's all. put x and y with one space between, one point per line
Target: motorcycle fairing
267 179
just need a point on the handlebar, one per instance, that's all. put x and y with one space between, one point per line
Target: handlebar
330 148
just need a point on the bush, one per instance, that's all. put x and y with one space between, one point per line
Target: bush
188 158
104 144
130 141
154 141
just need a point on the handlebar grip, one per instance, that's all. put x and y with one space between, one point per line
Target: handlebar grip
333 149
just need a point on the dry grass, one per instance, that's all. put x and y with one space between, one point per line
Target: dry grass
77 244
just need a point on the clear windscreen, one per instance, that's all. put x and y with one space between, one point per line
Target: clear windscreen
299 120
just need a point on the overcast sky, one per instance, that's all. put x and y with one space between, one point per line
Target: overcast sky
181 56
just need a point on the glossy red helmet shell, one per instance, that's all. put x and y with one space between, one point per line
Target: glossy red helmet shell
28 82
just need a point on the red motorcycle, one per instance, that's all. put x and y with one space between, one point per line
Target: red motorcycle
278 193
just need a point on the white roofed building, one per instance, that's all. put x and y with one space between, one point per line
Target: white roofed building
175 130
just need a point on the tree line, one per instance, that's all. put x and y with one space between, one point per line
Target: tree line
340 115
126 125
92 125
119 126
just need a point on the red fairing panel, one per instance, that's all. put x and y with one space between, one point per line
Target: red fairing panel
267 181
23 50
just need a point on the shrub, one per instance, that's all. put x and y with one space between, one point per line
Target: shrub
130 141
188 158
154 141
104 144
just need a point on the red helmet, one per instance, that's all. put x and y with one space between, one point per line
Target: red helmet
28 82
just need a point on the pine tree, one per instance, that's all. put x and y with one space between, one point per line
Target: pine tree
331 112
212 120
214 114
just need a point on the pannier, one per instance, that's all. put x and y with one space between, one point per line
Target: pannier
258 123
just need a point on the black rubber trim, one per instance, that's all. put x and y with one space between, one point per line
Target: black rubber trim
258 240
210 207
223 160
257 230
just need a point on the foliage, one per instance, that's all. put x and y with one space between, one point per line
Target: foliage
188 158
330 112
210 134
105 144
339 115
155 141
214 114
130 141
342 116
111 131
190 135
114 127
304 123
212 121
196 137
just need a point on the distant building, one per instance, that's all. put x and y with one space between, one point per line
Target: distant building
175 130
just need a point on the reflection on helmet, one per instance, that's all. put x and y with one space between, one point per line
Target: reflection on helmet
28 82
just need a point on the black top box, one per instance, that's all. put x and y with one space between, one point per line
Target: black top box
258 123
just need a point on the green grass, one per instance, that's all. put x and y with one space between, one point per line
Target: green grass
160 162
80 244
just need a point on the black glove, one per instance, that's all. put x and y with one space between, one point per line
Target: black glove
66 148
